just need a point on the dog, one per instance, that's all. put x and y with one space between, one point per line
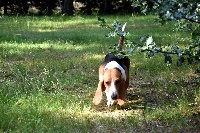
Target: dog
113 78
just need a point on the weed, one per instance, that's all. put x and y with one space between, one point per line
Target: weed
49 72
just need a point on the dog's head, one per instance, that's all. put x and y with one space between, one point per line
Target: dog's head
113 82
113 79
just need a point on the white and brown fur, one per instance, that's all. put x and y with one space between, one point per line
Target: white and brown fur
113 78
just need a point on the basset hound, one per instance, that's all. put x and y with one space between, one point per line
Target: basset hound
113 79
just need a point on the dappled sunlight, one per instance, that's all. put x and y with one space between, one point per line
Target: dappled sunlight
97 57
20 48
61 24
45 30
109 113
49 74
48 24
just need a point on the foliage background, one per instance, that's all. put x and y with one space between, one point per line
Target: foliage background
49 66
49 72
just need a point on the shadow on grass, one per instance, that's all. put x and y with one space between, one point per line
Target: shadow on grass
143 98
69 60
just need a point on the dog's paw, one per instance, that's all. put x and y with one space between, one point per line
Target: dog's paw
121 102
97 100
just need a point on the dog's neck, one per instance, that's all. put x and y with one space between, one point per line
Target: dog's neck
114 64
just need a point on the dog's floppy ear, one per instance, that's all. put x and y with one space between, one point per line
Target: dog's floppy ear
99 92
122 93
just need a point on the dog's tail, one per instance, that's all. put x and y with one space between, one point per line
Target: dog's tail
121 39
125 60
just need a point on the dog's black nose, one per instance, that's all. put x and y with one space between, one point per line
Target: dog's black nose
114 96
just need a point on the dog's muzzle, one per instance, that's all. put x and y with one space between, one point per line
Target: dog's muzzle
111 94
114 96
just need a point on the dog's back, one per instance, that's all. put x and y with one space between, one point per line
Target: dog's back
125 61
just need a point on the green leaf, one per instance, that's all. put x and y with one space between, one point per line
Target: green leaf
101 19
142 38
130 51
122 33
177 50
180 61
196 33
117 26
190 60
152 53
135 5
178 15
149 40
168 58
111 34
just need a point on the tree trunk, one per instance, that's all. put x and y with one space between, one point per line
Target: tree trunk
107 7
5 4
68 7
88 10
25 7
49 7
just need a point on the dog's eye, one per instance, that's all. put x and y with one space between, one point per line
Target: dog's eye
107 83
117 82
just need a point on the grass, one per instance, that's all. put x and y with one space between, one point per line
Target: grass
49 73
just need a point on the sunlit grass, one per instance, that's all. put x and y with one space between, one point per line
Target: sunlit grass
49 72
